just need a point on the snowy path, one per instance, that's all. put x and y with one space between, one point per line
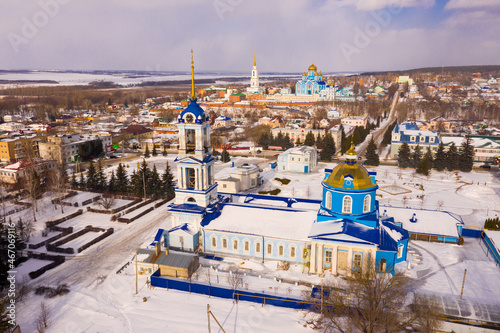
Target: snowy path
101 260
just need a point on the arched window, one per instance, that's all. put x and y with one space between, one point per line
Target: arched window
281 250
214 242
269 249
235 245
328 200
347 205
366 204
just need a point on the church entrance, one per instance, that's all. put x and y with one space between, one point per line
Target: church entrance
342 260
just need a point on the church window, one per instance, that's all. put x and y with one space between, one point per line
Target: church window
247 246
356 263
181 239
292 252
400 251
214 242
257 247
235 245
366 204
347 205
328 256
224 185
280 250
328 200
224 243
269 249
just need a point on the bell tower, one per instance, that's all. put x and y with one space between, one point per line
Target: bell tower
196 189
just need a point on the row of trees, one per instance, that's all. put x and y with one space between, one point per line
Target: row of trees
143 181
461 159
154 152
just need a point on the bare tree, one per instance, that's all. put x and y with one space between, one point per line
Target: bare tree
440 204
371 302
43 318
25 229
58 181
33 187
235 279
106 201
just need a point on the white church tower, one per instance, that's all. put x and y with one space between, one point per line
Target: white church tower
196 192
254 80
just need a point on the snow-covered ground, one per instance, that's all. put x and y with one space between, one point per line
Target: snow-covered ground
103 301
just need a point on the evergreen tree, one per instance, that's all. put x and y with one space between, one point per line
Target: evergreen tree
287 142
371 154
168 182
342 138
388 134
279 141
328 148
74 181
91 182
265 140
164 153
140 179
297 142
146 153
423 167
404 156
154 152
122 182
466 155
440 159
154 186
429 156
309 140
100 177
416 156
357 137
112 182
319 142
225 157
378 121
82 183
452 158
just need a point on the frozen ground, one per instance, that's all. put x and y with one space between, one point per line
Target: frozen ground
102 301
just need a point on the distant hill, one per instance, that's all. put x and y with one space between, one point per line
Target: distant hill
445 69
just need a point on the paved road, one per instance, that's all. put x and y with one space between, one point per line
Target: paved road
378 134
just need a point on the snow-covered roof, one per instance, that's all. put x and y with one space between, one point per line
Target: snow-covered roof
494 237
268 222
428 221
475 142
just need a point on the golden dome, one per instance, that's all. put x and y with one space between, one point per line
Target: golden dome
312 67
361 178
304 74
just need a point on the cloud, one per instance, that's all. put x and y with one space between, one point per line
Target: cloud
287 35
471 4
365 5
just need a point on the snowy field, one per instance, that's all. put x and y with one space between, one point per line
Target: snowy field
103 301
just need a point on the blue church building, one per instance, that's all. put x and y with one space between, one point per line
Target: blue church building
311 82
341 233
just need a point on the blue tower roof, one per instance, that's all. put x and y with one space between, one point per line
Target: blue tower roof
195 109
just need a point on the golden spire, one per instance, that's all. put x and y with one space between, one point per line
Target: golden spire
193 95
254 62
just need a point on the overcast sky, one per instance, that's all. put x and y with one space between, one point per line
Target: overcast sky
287 35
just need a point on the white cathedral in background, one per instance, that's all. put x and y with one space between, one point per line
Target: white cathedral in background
254 80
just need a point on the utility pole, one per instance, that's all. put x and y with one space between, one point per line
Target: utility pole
208 315
136 277
463 283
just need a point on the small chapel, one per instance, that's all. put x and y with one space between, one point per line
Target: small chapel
341 233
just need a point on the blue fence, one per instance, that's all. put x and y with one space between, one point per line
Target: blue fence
206 289
474 233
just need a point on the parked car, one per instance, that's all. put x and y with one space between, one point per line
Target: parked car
485 166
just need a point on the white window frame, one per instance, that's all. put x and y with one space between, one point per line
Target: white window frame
357 260
258 247
328 256
400 251
347 208
367 203
328 200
